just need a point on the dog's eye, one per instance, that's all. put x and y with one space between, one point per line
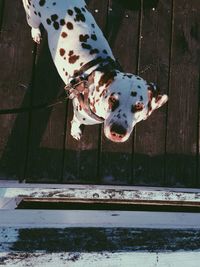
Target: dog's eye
113 103
137 107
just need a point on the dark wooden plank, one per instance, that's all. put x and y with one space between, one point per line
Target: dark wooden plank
15 85
45 158
2 2
149 147
123 25
99 11
182 128
81 157
122 32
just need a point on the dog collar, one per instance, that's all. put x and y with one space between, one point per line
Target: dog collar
79 84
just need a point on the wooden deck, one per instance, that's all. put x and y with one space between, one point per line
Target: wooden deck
159 40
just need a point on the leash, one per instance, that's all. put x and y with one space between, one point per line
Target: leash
78 87
60 100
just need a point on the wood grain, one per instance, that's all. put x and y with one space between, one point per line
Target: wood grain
16 60
157 39
182 122
47 125
149 146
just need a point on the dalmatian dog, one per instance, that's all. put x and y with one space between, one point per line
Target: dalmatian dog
100 91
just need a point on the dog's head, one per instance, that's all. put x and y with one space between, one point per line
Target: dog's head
130 99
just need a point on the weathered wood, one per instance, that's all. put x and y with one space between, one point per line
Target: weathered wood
182 121
81 157
123 23
164 149
47 125
149 147
15 85
2 2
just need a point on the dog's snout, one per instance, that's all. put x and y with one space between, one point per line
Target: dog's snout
117 131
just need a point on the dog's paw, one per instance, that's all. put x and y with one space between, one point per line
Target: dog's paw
76 131
36 35
76 134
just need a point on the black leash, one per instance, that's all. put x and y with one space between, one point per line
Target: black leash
60 100
73 83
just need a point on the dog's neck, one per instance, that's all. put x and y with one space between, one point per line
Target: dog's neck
99 91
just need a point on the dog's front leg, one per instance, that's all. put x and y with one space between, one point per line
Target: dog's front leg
35 30
36 35
33 21
76 131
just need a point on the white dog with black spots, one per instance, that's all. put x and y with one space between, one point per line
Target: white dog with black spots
120 99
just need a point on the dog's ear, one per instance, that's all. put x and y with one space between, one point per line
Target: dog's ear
156 100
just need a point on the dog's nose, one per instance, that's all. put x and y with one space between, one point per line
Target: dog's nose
117 132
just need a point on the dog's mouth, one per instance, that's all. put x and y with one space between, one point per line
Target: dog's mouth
116 133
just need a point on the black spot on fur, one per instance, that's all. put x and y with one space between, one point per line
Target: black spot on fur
83 38
48 21
79 15
134 94
56 25
86 46
42 2
94 37
94 51
62 22
77 10
54 17
70 12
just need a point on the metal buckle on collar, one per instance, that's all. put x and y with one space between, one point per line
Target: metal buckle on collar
71 88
